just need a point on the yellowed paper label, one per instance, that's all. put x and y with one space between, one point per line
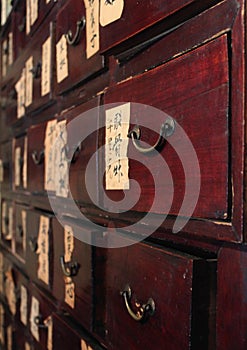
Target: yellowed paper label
4 218
4 57
69 292
24 168
27 346
116 141
33 314
2 325
92 27
17 166
1 171
10 291
68 243
49 145
83 345
62 59
34 7
28 16
43 249
24 228
46 67
10 49
49 323
20 87
29 82
1 275
61 163
9 338
3 11
11 223
110 11
23 306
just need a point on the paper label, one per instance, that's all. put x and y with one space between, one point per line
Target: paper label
10 291
29 82
1 171
33 314
27 346
2 324
110 11
116 141
1 275
11 223
68 243
10 49
9 337
69 292
62 166
33 11
62 59
4 57
50 138
92 27
17 166
4 219
3 11
28 16
24 167
21 94
24 228
83 345
49 323
43 249
46 67
23 306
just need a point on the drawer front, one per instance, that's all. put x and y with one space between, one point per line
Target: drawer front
39 253
7 223
73 272
121 20
6 166
186 89
67 336
77 65
151 295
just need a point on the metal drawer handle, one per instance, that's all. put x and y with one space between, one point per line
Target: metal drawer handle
39 321
33 244
38 157
76 153
70 268
166 130
80 25
144 310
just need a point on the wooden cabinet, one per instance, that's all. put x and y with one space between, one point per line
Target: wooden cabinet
122 175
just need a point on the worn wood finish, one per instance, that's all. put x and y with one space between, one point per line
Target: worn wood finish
148 270
80 68
6 157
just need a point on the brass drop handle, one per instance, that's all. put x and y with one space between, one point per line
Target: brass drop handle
38 157
76 153
144 311
166 130
39 321
80 25
69 268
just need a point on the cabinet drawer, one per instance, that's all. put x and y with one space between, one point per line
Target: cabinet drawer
67 335
139 16
39 251
6 166
78 66
175 288
73 272
188 90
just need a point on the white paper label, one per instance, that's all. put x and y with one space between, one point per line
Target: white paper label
23 306
92 27
11 223
68 243
1 171
49 145
3 11
2 324
83 345
116 141
24 168
24 228
110 11
17 166
43 249
10 291
1 275
10 49
33 11
21 94
28 16
29 82
33 314
62 166
69 292
62 59
46 67
49 324
9 337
